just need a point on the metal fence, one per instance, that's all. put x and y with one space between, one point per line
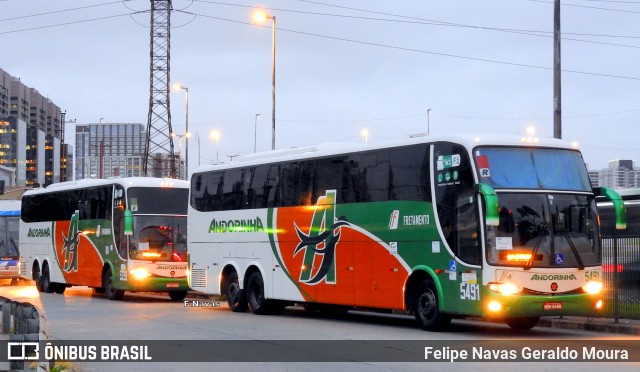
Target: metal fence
621 269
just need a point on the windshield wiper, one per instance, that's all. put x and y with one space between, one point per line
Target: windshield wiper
565 234
543 231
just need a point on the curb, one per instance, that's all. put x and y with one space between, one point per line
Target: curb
594 325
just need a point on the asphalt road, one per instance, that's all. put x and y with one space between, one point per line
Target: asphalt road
80 314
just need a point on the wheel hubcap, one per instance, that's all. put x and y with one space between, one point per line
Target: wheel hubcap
427 305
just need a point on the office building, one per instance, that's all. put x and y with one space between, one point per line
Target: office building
619 174
30 135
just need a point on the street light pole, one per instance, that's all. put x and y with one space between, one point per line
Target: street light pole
273 84
365 134
260 16
215 135
180 136
255 130
198 139
186 126
428 115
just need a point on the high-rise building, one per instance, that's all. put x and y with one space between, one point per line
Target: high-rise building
619 174
109 150
13 137
37 148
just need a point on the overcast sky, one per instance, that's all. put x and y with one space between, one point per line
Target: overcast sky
341 66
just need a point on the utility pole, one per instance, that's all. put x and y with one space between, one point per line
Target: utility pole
63 146
101 159
557 81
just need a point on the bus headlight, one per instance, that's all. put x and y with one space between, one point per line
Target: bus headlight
139 273
506 289
592 287
494 306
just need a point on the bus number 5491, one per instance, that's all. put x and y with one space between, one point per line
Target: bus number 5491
469 291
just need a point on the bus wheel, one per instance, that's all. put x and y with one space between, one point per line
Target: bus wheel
236 297
177 295
59 288
36 279
255 294
523 323
109 290
426 308
45 280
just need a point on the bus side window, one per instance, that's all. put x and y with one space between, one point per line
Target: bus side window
456 201
467 235
376 175
258 187
118 220
233 189
271 186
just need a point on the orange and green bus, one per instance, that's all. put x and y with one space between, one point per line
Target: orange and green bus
114 235
438 226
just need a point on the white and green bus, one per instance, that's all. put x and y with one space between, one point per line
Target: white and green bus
440 226
115 235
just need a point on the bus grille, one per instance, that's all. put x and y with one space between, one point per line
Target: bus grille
23 268
198 278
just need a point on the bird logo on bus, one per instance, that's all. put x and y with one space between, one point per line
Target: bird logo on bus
321 240
70 246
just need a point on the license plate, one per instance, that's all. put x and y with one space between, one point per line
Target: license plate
173 285
552 306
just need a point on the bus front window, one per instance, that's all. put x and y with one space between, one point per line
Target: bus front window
159 238
544 231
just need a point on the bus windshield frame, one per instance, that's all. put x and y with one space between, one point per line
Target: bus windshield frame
157 201
510 167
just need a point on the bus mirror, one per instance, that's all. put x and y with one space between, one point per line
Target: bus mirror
128 222
490 202
618 205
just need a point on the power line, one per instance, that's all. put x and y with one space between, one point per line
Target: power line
346 121
68 23
59 11
614 1
423 21
535 33
486 60
588 7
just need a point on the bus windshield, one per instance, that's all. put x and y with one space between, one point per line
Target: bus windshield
531 168
9 237
159 238
146 200
544 231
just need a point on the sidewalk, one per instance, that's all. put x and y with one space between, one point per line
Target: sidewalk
623 326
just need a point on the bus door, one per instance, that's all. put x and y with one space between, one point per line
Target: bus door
95 211
458 216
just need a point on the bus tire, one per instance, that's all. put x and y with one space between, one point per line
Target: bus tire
109 290
177 295
236 297
59 288
255 294
426 308
522 323
45 280
36 279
